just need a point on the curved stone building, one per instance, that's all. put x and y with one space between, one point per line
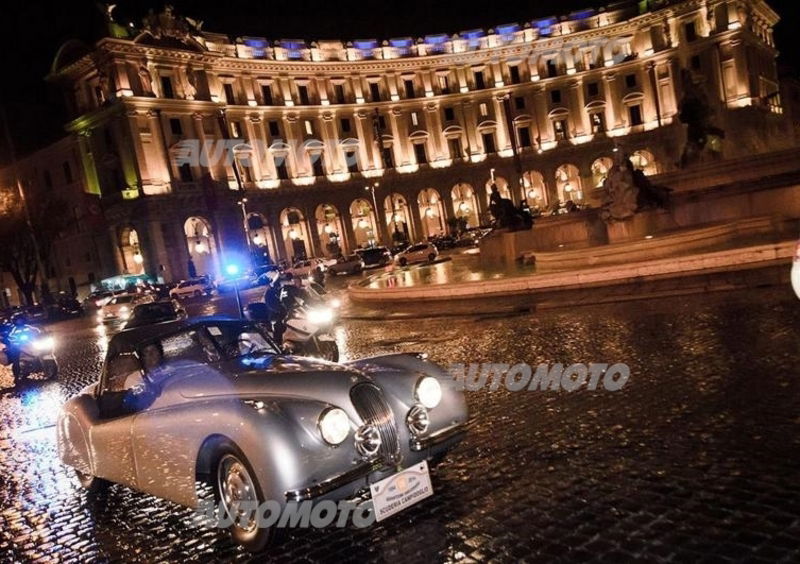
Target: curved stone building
201 145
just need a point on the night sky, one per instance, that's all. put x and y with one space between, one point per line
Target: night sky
33 31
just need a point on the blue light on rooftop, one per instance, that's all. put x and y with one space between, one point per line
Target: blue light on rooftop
437 39
582 14
507 29
401 42
473 34
365 44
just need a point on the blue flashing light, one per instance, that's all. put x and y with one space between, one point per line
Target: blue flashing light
582 14
262 362
255 42
232 269
473 34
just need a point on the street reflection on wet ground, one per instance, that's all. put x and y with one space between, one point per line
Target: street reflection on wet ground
698 455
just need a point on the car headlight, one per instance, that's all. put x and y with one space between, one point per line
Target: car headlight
336 303
334 426
368 441
123 309
428 392
320 316
44 344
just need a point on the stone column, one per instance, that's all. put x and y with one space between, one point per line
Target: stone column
613 112
577 111
503 135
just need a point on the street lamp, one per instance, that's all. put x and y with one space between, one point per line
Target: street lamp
371 188
243 204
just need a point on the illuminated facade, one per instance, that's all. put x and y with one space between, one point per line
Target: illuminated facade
176 126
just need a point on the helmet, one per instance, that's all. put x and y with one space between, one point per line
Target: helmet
19 320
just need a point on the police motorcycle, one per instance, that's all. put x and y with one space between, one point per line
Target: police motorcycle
28 350
301 322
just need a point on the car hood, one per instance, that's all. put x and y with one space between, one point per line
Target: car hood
272 376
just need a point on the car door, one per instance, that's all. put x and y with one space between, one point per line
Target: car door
167 436
110 435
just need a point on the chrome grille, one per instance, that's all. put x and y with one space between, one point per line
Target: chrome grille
374 410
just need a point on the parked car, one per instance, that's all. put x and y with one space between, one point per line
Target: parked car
155 312
376 256
285 429
65 307
192 288
98 298
303 268
421 252
796 270
120 307
443 242
352 264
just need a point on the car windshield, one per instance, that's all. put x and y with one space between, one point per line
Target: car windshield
236 341
122 300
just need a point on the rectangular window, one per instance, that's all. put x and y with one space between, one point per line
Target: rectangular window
166 87
229 96
175 126
302 91
552 68
555 96
519 103
345 125
381 123
280 167
525 137
351 158
274 129
409 86
484 110
338 91
690 30
630 80
420 154
635 114
454 144
309 127
375 91
266 93
695 62
480 81
449 114
414 119
514 72
488 143
185 173
388 157
560 128
593 89
67 172
598 122
317 164
444 84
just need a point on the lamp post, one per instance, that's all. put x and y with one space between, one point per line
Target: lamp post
243 205
233 271
379 232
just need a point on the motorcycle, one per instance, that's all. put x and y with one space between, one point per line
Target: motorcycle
30 350
308 323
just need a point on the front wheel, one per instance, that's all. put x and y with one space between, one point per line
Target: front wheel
17 370
328 350
403 262
431 257
92 484
50 369
236 489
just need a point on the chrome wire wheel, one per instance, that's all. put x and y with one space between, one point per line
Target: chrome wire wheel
238 493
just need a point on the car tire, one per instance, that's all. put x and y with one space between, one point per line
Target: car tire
431 257
50 369
92 484
403 262
16 370
231 470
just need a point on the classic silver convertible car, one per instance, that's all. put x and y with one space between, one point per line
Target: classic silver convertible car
214 400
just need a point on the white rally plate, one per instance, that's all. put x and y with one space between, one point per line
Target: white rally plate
393 494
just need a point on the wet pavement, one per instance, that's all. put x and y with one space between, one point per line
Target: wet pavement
697 458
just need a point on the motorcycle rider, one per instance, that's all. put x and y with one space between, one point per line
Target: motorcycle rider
19 325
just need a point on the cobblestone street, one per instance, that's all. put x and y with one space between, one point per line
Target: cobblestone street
697 458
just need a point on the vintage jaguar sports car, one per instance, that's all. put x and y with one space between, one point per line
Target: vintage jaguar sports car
214 400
